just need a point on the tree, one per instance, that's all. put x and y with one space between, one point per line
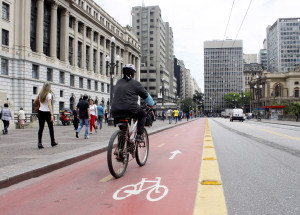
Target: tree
187 104
235 100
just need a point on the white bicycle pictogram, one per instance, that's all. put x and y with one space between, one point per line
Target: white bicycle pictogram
135 189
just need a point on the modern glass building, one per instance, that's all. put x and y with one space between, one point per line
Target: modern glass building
263 58
223 72
283 45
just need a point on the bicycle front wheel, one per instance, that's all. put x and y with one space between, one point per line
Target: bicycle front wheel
142 150
117 156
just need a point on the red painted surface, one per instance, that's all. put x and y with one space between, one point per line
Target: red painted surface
76 189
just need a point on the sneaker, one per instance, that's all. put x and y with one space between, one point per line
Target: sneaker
139 138
87 137
91 133
3 131
77 135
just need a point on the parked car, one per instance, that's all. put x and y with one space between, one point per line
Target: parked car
237 114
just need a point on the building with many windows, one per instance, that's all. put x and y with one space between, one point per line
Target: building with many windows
65 42
263 58
250 58
283 41
223 72
157 47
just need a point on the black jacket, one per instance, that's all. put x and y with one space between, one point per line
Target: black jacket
126 96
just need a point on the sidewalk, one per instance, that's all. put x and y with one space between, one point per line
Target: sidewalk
20 159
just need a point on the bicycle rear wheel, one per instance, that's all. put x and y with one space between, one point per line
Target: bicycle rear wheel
142 150
117 156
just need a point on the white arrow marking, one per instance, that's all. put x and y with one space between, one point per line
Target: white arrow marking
174 154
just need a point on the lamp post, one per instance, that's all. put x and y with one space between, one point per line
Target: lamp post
110 63
242 96
258 86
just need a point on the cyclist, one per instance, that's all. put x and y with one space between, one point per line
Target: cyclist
125 99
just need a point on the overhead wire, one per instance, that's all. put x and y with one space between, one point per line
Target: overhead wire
228 23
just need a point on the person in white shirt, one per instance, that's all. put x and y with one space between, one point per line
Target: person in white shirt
45 114
93 113
21 116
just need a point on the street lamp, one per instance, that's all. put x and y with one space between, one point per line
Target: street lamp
258 86
112 65
242 96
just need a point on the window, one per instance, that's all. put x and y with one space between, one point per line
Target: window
4 67
96 86
101 62
71 22
95 36
61 77
278 91
89 84
5 11
34 90
61 105
80 82
296 82
33 25
297 93
49 74
94 60
79 54
87 60
46 34
71 50
72 80
5 37
88 30
35 71
80 26
102 87
107 88
61 93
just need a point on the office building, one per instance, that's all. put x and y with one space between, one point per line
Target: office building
283 41
157 47
223 72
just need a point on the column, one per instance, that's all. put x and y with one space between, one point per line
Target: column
138 72
64 36
75 42
40 26
53 29
26 13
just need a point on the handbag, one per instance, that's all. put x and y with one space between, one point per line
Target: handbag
36 105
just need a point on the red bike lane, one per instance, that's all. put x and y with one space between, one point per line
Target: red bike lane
87 188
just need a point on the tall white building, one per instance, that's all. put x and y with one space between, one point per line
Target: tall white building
157 45
283 42
64 42
223 72
250 58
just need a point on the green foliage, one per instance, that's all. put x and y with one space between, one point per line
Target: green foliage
291 108
187 104
235 99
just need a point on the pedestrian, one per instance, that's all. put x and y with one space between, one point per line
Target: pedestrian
106 116
94 114
21 117
163 114
187 116
169 115
83 114
180 115
6 116
75 119
45 114
176 113
100 116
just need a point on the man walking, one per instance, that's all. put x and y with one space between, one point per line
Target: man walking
180 115
84 116
176 112
169 114
100 116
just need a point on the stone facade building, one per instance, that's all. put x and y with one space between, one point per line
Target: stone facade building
250 71
65 42
275 88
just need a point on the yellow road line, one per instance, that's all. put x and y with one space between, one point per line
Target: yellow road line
106 179
210 199
273 132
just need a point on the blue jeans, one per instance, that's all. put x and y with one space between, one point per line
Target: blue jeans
176 119
100 121
85 122
170 119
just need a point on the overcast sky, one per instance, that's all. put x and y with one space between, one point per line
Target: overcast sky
196 21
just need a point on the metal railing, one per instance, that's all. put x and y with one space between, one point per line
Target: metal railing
288 117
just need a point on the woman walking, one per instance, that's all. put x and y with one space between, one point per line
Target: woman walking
45 114
93 113
6 117
106 116
22 117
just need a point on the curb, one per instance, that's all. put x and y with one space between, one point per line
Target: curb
55 166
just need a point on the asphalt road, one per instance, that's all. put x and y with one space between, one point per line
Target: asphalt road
259 165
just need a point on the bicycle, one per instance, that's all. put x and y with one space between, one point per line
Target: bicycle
122 143
160 191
